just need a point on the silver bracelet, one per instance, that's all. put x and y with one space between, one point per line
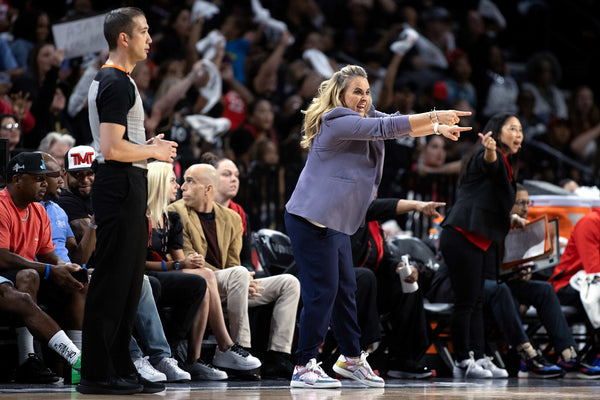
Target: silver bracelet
93 226
435 128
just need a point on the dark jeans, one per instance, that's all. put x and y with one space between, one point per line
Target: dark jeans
328 284
119 202
504 310
183 293
542 296
466 266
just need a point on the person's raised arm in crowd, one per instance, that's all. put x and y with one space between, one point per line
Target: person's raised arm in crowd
266 77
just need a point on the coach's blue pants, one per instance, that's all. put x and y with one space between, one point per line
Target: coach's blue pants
327 283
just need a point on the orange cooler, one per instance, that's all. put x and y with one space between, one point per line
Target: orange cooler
568 210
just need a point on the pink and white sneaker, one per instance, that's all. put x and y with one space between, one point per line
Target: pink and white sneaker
313 376
359 370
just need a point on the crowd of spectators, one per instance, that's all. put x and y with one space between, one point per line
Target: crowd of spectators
230 78
233 79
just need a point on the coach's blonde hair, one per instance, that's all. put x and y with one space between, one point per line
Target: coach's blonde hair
329 97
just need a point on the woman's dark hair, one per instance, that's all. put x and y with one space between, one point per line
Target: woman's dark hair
495 125
26 24
33 55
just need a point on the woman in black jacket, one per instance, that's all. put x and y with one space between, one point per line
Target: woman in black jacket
474 231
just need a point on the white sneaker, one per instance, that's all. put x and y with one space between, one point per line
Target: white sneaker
147 371
235 357
206 372
487 364
468 368
169 367
313 376
358 370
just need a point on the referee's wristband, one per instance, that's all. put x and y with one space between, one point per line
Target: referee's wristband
47 275
164 265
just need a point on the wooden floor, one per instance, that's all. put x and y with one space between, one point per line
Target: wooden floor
433 389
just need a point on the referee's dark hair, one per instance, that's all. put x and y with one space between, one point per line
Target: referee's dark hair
117 21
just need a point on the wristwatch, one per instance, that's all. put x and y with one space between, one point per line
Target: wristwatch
176 265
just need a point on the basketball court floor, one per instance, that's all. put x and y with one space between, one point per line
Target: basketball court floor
431 389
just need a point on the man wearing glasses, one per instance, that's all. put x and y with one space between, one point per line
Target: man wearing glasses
75 199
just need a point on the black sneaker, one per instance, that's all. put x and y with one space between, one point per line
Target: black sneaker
112 385
147 386
33 370
410 370
539 367
277 365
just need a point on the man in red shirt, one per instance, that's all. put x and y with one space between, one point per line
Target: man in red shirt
27 258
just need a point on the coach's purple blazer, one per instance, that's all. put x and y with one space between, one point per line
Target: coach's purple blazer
344 167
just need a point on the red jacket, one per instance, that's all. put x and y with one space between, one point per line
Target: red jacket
582 251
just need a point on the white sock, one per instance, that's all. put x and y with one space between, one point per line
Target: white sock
61 343
75 336
569 354
24 343
528 349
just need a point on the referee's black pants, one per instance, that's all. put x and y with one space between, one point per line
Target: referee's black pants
119 201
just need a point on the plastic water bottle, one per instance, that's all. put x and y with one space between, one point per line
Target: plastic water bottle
434 233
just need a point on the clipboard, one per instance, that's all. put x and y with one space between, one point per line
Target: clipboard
534 242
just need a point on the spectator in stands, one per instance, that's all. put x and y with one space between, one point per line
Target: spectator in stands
541 156
10 129
581 254
8 63
66 247
533 126
473 231
180 37
584 120
40 82
166 252
338 182
75 198
216 233
57 145
17 104
544 73
521 289
459 84
227 189
32 27
142 78
500 90
26 248
266 185
432 158
259 125
178 273
77 106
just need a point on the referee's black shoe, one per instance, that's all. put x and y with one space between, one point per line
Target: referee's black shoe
148 386
111 385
